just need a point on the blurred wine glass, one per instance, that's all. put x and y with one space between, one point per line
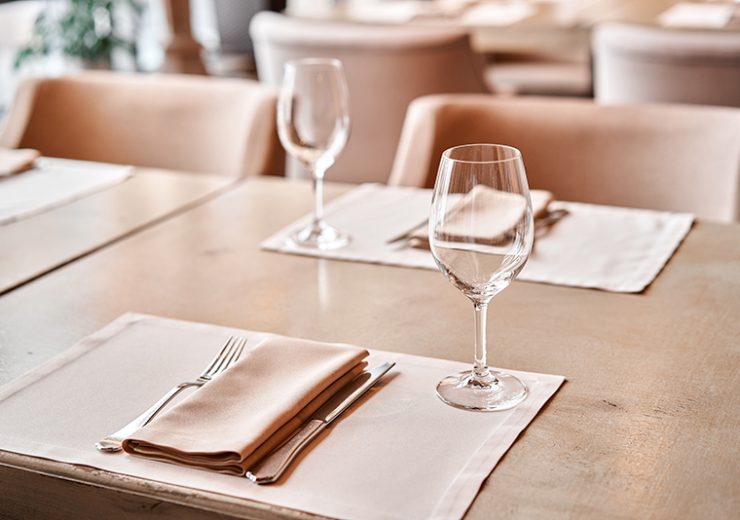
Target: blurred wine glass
313 125
480 234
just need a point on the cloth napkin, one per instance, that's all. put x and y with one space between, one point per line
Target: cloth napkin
14 161
498 210
239 417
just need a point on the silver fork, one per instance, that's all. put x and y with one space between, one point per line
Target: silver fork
227 356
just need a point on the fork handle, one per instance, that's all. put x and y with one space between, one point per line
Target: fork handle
112 443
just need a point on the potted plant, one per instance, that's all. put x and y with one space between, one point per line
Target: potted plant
93 33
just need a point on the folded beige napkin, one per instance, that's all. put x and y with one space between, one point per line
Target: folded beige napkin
15 161
495 212
239 417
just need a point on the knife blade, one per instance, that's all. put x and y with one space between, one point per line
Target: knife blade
273 465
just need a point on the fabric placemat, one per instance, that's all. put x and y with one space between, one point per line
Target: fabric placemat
16 160
53 183
399 11
496 14
600 247
697 15
400 454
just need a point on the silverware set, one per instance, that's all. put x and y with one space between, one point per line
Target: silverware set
274 464
227 356
269 469
541 225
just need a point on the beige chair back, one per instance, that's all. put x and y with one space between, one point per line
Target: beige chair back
183 123
386 68
635 64
666 157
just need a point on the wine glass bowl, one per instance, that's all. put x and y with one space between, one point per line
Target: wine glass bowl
480 234
313 126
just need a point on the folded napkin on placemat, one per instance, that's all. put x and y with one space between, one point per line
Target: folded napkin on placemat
499 211
601 247
402 454
238 418
14 161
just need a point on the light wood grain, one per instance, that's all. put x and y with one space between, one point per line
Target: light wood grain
36 245
85 493
646 425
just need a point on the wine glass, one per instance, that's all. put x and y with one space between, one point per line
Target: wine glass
313 125
480 234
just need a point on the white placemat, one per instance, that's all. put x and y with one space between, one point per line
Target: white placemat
601 247
402 11
400 454
497 14
53 183
695 15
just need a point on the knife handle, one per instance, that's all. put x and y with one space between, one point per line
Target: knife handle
271 467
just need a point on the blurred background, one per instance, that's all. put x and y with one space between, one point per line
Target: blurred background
56 37
613 51
542 47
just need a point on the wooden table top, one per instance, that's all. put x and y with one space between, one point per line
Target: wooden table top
41 243
645 426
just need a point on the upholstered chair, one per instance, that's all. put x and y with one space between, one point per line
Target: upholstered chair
651 64
386 68
188 123
666 157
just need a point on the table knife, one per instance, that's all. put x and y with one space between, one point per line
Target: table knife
273 465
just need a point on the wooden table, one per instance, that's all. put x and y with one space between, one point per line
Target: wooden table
645 426
37 245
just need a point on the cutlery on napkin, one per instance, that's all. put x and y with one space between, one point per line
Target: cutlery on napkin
500 210
227 356
14 161
255 406
270 468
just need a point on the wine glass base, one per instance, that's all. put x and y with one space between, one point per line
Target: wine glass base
500 391
320 236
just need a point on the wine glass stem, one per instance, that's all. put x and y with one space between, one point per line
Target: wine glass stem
481 372
318 196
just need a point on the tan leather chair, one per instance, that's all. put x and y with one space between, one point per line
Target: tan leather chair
386 68
666 157
183 123
636 64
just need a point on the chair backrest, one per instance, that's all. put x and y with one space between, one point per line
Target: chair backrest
184 123
666 157
386 68
650 64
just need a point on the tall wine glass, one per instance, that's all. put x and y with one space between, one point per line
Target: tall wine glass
313 125
480 233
